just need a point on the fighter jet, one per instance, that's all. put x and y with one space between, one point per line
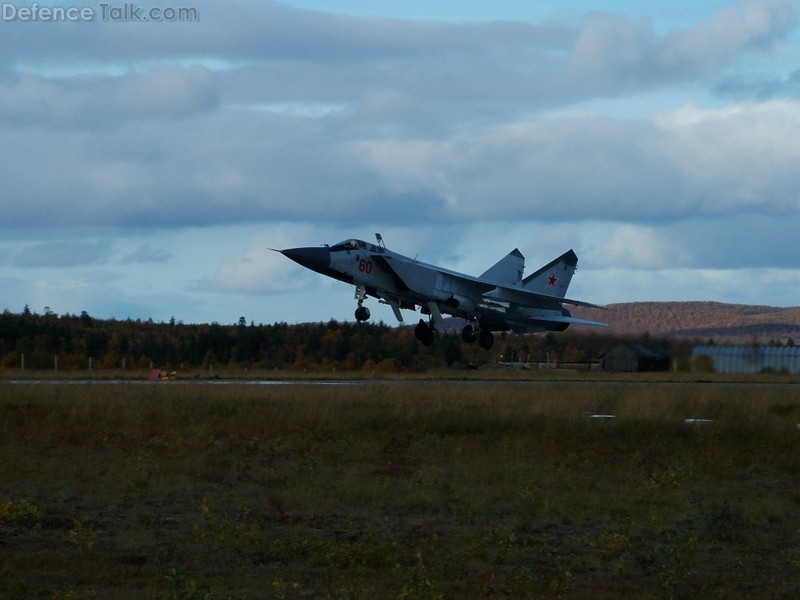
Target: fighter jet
498 300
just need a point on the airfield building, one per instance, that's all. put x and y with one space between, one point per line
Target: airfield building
750 359
636 357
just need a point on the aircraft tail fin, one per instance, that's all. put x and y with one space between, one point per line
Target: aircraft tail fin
508 270
553 278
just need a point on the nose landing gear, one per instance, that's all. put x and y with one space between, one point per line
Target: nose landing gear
362 312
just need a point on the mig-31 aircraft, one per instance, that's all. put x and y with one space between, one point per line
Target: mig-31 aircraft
498 300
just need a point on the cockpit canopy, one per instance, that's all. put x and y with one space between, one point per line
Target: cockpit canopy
354 244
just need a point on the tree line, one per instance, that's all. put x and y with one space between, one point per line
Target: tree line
82 341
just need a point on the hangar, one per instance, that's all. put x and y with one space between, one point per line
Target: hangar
750 359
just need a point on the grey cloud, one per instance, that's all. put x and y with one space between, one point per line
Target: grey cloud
240 166
232 167
29 97
727 242
410 135
759 86
162 91
613 54
63 254
749 23
695 162
310 56
244 31
739 241
468 68
146 254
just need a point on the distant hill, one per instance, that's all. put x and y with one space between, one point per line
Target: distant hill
734 323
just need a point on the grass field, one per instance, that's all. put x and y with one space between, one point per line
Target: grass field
387 490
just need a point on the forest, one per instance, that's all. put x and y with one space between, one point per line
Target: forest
73 342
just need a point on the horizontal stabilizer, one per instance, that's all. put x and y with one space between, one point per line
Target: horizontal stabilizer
574 321
525 297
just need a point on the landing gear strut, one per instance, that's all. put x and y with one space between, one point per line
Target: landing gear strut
362 312
424 332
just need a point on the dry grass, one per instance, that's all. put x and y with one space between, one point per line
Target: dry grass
399 490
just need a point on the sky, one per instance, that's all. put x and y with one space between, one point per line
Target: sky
147 166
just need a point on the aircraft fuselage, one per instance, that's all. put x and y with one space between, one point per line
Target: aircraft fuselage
497 301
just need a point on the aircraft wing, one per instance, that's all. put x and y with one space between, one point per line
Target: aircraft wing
421 278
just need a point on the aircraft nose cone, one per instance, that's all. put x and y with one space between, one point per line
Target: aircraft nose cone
316 259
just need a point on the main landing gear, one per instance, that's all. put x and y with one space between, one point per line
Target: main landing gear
470 334
473 333
424 332
362 312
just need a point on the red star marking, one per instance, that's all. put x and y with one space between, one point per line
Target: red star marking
551 281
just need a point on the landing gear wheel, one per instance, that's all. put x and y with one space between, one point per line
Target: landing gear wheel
362 313
469 334
424 333
485 340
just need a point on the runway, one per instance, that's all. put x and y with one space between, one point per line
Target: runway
406 382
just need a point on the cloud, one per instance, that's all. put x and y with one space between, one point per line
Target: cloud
742 286
682 164
161 91
145 253
243 31
613 54
759 86
269 52
63 254
640 247
244 167
165 90
746 24
259 270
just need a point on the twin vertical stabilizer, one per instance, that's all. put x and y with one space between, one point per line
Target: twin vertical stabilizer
508 270
553 278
